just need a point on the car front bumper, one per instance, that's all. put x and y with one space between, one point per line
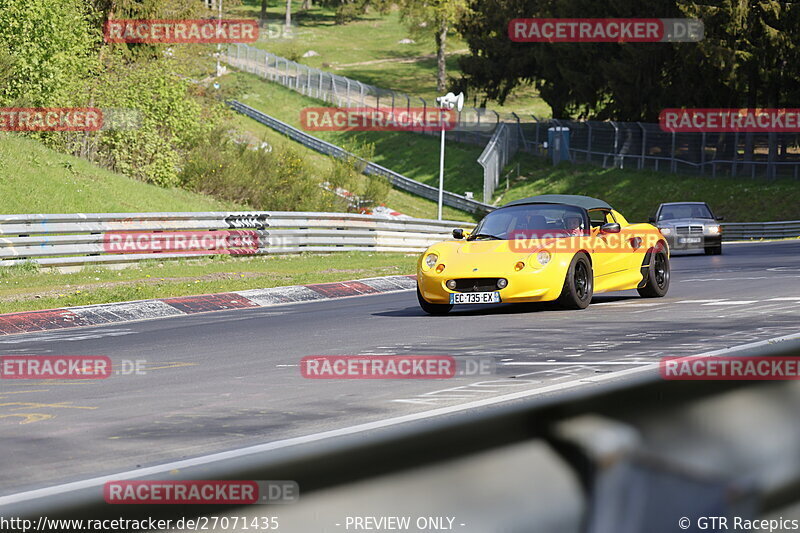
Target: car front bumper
541 285
679 242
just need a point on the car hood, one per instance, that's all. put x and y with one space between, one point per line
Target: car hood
519 246
685 221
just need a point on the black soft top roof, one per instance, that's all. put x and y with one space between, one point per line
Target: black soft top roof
586 202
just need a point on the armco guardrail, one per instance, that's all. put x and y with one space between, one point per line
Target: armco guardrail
397 180
610 455
741 231
75 239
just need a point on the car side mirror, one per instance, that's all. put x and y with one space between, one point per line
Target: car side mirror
652 220
720 218
611 227
458 233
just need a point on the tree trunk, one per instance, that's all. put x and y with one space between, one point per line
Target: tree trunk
263 10
749 141
306 5
772 137
288 15
441 68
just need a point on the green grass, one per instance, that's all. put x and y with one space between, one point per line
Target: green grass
321 165
372 38
411 154
35 179
26 288
636 193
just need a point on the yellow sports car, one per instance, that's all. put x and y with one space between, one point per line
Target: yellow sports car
544 248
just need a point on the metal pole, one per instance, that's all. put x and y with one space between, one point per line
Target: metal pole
219 32
441 171
644 145
588 142
703 157
672 165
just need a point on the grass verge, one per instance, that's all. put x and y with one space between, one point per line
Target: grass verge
411 154
36 179
27 288
369 49
322 165
637 193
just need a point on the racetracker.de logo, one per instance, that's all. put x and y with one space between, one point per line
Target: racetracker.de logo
50 119
378 367
726 368
571 240
234 242
55 367
606 30
377 119
748 120
205 492
181 31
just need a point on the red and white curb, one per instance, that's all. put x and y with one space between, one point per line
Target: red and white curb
95 315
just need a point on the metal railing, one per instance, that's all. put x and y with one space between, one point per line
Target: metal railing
740 231
475 125
396 179
607 143
77 239
646 146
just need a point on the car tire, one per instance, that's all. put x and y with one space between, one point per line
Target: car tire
432 309
578 284
714 250
657 276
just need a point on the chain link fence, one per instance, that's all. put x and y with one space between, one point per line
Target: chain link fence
475 125
608 144
641 146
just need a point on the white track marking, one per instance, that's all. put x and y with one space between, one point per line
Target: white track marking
698 301
575 363
724 279
734 302
98 482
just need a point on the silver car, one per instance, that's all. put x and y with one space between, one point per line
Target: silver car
689 226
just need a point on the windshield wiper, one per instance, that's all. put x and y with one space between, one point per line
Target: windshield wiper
483 235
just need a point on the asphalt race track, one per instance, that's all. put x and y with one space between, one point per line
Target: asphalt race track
227 380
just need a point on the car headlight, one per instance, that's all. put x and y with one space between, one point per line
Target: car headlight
431 259
543 257
666 231
713 230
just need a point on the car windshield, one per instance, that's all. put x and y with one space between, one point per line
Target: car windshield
669 212
537 221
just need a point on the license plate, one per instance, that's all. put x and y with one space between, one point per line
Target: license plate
475 298
690 240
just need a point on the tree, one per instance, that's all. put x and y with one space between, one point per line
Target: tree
288 23
748 57
439 17
263 10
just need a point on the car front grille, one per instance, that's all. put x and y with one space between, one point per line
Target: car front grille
476 284
689 230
